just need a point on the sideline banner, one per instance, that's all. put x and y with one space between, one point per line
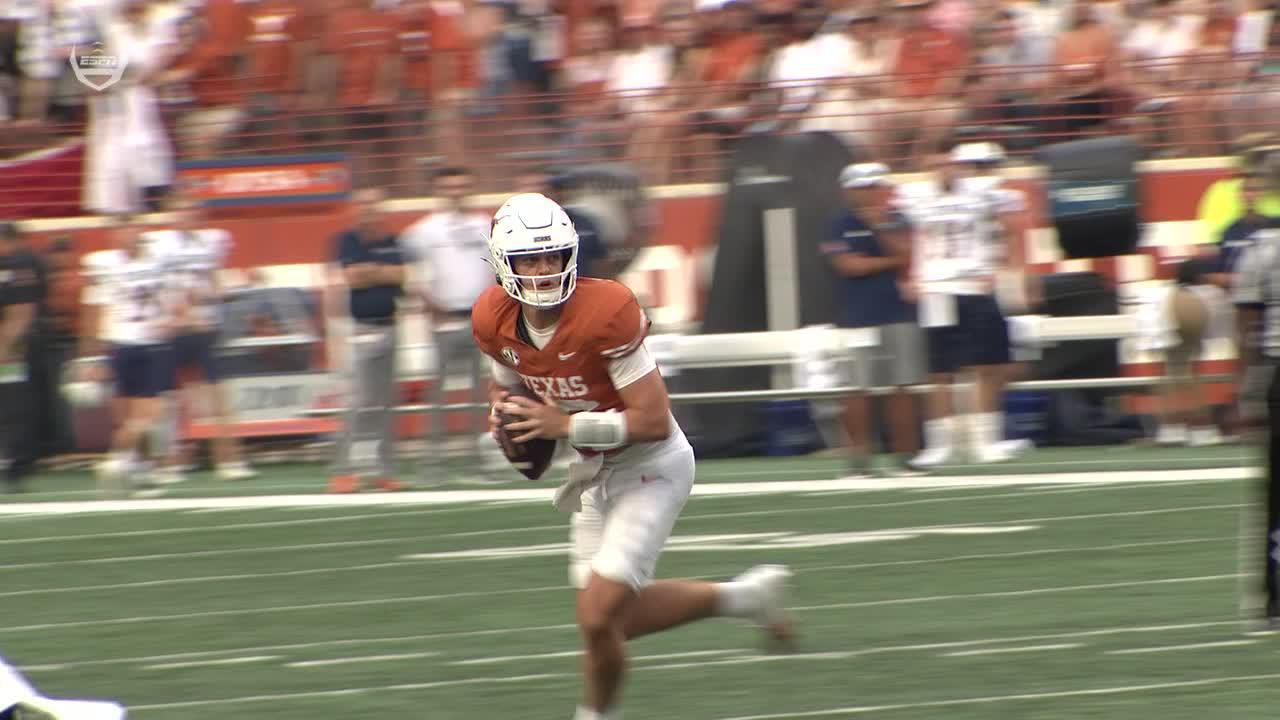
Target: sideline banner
267 180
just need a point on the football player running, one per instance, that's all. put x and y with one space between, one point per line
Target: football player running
578 343
133 310
192 256
959 252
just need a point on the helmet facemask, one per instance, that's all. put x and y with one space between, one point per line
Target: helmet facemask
540 291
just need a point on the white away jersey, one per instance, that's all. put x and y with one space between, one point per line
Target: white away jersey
193 258
135 293
958 240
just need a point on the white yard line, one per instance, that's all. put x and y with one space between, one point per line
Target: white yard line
992 699
1007 555
419 599
347 692
1016 593
575 653
365 567
792 486
360 659
114 559
383 515
1009 650
1188 646
273 609
208 663
847 710
567 627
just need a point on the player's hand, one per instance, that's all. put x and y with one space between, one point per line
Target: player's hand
495 419
909 290
541 420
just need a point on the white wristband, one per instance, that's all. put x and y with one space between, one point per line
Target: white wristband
598 430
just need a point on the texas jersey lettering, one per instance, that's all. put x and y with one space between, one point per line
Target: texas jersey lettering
602 321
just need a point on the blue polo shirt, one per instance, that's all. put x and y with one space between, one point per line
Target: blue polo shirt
375 304
1237 238
868 300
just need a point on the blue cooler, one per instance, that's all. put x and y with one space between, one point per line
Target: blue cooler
1026 416
790 429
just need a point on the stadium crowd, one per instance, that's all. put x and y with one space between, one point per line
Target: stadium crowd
421 84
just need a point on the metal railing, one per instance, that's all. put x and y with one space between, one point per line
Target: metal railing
791 346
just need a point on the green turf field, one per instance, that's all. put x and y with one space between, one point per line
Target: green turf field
1078 584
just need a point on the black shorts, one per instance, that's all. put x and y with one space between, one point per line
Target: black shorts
143 371
980 336
198 350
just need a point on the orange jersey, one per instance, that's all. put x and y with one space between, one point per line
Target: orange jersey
601 321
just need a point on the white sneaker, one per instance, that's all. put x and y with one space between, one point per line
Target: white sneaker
770 582
1204 437
930 458
235 471
1002 451
996 453
167 476
1171 435
1018 446
111 478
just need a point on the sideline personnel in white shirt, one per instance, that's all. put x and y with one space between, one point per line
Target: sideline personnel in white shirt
449 250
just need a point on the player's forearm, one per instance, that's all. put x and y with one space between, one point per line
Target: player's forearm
90 343
1016 247
16 322
862 265
647 425
1220 279
391 274
359 275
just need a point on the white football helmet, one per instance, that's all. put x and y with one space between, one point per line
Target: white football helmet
533 224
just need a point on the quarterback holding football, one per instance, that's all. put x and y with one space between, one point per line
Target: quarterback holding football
570 363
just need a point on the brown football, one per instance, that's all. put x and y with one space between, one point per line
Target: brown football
531 458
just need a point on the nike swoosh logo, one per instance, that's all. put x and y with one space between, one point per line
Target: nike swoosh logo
566 356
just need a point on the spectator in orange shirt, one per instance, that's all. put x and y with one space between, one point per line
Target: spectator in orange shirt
1214 71
211 68
734 54
364 42
413 43
1088 68
929 69
596 128
657 133
453 76
281 40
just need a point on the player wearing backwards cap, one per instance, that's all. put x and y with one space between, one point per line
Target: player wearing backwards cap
579 345
870 266
961 226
